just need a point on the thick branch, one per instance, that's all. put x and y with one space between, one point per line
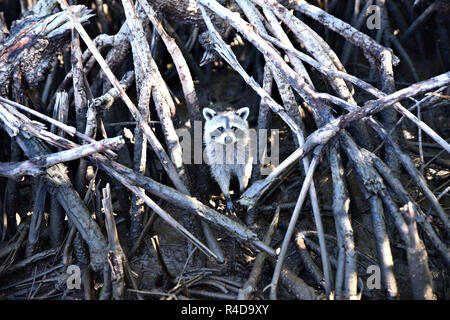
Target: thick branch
37 165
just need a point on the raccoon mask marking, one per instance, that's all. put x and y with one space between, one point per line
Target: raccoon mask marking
226 127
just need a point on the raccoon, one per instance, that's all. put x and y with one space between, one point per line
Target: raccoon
227 148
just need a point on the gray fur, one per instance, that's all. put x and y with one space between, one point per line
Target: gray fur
227 149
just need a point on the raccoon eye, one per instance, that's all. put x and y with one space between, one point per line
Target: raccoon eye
233 128
220 129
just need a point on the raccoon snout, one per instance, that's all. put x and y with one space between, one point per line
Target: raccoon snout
228 140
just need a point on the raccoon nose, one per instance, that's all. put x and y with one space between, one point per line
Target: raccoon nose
228 140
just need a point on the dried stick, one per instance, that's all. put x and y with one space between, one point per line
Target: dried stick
144 231
164 158
263 123
15 243
307 261
79 85
419 272
356 23
386 78
56 216
143 63
251 285
30 260
68 129
403 196
329 58
316 47
371 185
229 56
36 219
417 256
181 200
58 184
419 138
383 246
161 262
116 256
291 227
160 93
325 133
359 39
187 84
10 203
85 112
344 229
362 84
405 160
162 213
297 286
384 56
119 45
289 101
189 203
66 258
388 35
105 101
418 179
60 112
407 163
37 165
278 30
31 59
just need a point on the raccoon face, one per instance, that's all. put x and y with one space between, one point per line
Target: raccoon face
226 127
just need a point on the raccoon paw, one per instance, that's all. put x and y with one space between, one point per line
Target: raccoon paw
230 206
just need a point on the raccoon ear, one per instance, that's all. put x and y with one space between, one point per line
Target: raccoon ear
208 113
243 113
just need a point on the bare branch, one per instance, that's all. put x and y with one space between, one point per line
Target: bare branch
36 166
